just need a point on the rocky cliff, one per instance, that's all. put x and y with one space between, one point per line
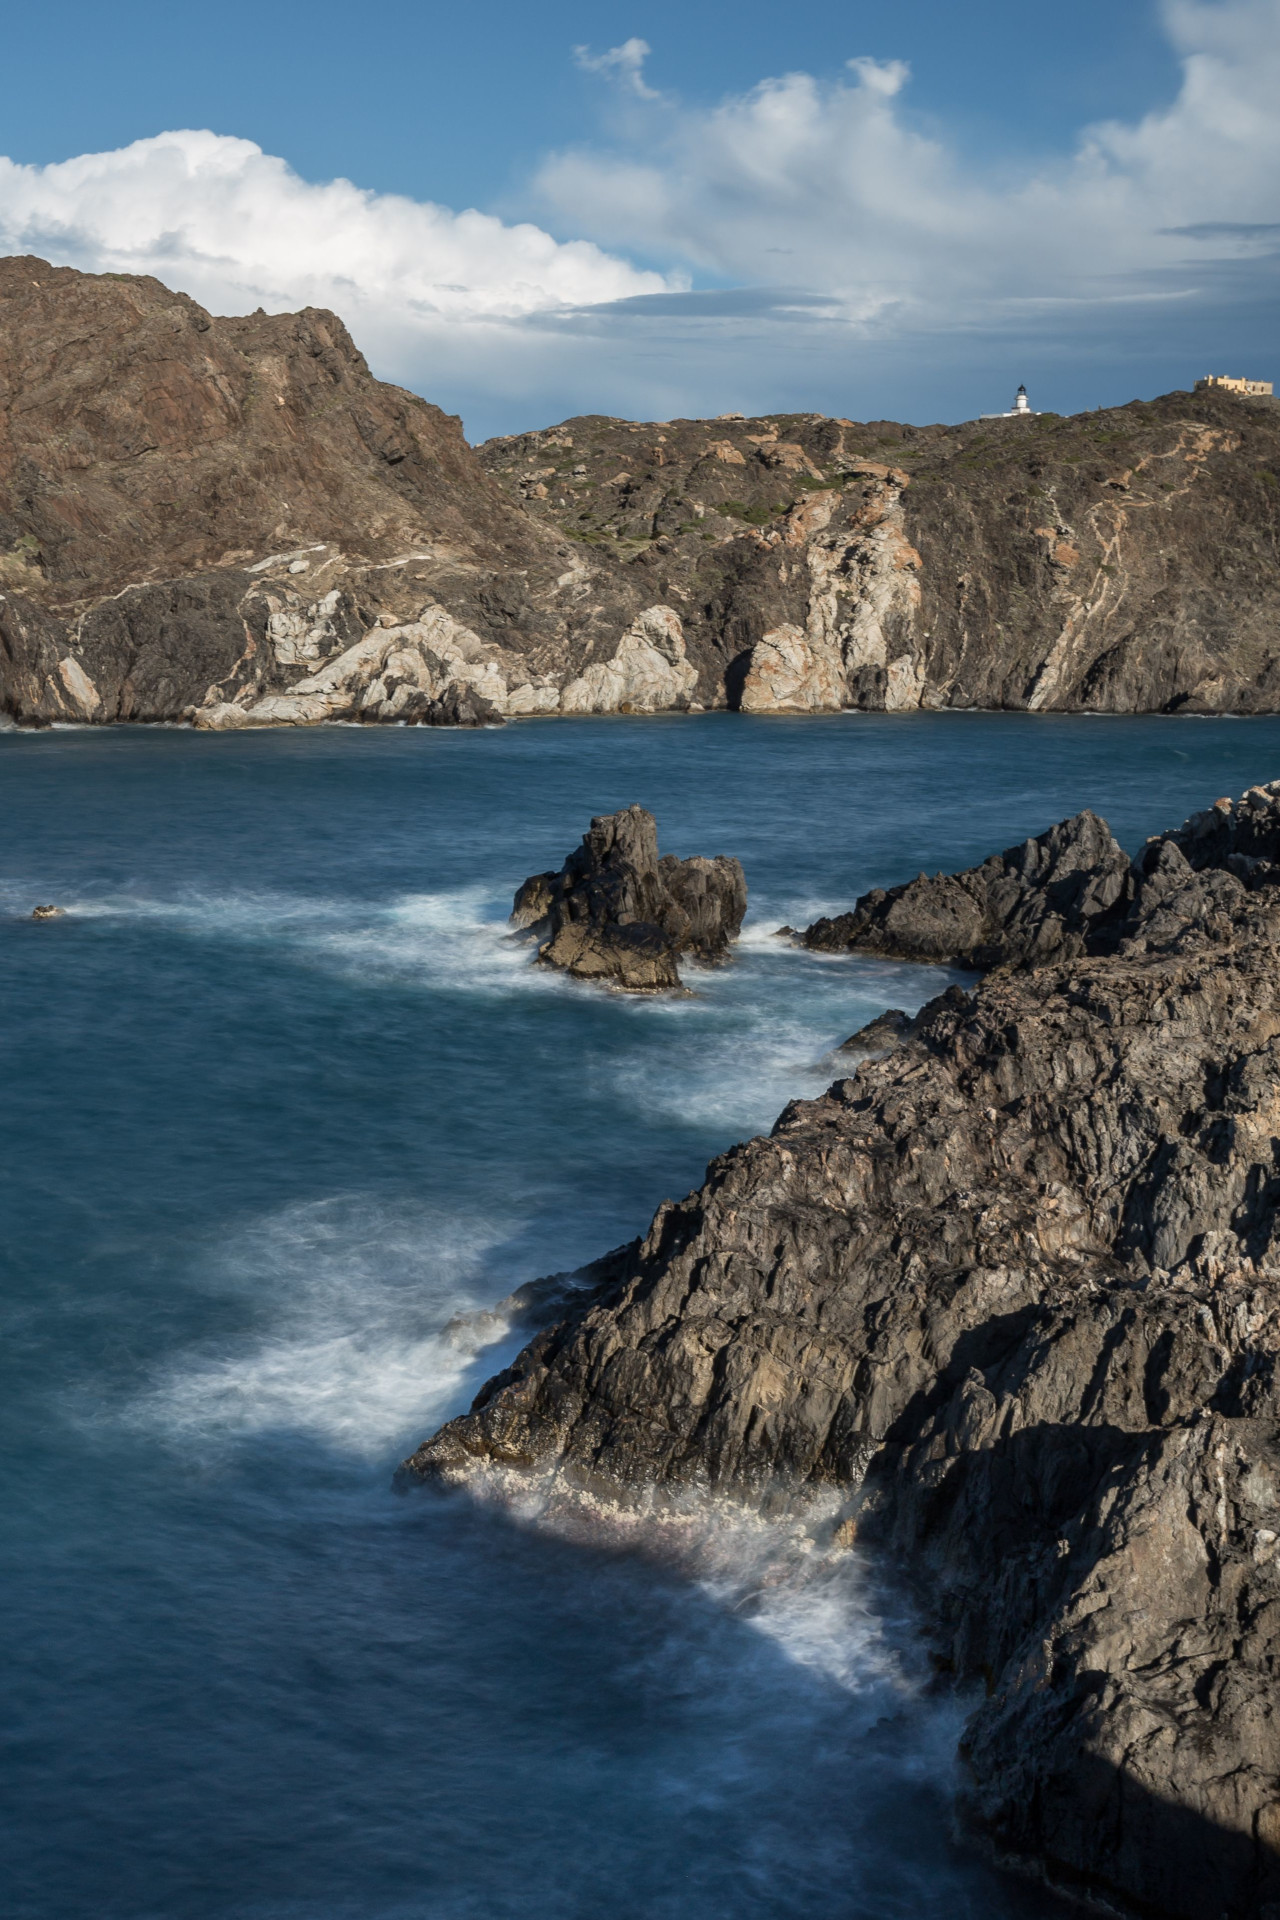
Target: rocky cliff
232 521
1126 560
1010 1294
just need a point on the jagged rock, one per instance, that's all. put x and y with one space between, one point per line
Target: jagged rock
1028 904
880 1035
47 913
618 914
1009 1296
457 706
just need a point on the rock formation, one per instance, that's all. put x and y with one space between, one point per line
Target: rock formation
617 914
1009 1295
1123 560
232 521
1030 904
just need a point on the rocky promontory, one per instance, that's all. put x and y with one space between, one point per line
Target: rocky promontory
230 521
617 914
1009 1295
1041 900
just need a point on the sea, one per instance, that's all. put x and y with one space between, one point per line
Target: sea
285 1110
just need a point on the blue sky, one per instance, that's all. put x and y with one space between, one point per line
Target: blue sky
887 211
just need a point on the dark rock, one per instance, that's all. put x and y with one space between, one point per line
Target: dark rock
880 1035
1009 1296
618 914
1029 904
458 706
47 913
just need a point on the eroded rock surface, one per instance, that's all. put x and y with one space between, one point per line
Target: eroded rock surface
617 914
1033 902
1011 1294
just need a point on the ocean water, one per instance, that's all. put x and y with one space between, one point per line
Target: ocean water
283 1110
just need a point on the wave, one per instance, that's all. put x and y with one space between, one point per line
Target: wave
368 1322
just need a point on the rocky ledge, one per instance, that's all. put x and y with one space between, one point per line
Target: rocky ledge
617 914
1009 1295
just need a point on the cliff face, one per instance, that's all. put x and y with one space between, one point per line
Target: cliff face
1012 1291
1126 560
212 514
232 520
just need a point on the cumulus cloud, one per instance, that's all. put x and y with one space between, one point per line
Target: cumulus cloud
624 63
848 259
237 228
832 186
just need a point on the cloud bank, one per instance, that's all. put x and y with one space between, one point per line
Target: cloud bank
854 261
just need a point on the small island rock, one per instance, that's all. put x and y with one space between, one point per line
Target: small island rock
617 914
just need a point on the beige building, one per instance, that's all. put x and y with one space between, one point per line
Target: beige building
1233 386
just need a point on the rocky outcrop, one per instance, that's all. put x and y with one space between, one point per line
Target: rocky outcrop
200 515
1008 1296
617 914
649 673
223 519
1042 900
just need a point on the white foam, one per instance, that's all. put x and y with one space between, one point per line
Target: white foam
457 939
367 1323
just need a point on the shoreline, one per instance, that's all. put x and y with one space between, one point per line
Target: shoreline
995 1290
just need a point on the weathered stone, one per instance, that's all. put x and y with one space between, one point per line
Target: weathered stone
1028 904
617 914
1009 1295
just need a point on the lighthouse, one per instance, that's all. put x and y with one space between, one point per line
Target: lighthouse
1020 410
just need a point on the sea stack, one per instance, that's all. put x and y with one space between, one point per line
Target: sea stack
618 914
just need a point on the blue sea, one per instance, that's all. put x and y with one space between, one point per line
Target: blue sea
284 1111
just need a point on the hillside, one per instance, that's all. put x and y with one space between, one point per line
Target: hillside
232 521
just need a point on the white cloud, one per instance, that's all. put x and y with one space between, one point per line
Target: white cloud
861 264
237 228
624 63
832 187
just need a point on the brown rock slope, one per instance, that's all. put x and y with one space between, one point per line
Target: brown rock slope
232 520
1012 1293
1125 560
200 512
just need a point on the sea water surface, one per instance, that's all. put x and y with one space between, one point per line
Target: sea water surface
281 1100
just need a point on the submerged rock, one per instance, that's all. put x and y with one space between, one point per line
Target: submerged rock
47 913
618 914
1010 1293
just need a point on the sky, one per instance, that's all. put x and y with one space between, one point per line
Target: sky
525 212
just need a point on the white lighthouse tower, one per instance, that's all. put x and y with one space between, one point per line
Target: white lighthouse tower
1020 410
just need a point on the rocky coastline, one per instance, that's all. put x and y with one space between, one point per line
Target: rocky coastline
1008 1294
230 523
